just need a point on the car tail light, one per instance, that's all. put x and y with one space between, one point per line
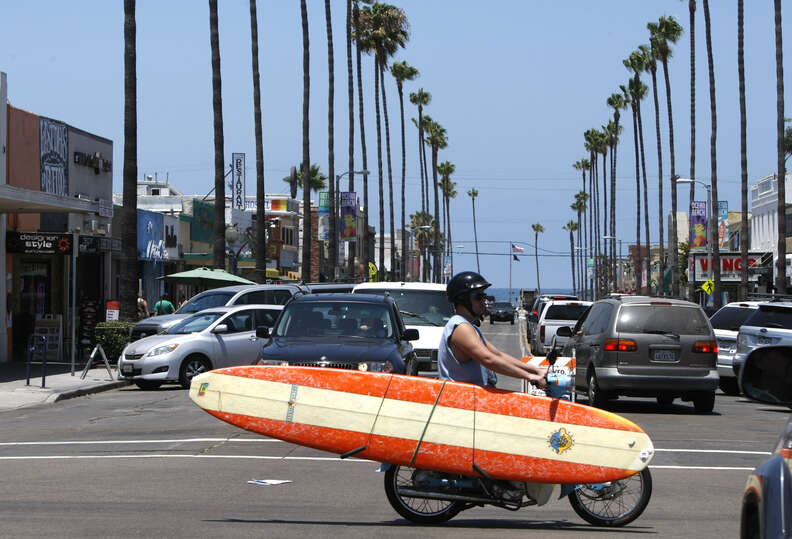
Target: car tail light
621 345
705 347
541 333
534 312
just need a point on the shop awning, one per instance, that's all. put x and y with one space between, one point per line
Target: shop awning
20 200
206 278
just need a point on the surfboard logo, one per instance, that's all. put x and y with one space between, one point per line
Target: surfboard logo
202 389
561 440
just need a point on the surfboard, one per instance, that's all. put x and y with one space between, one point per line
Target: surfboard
427 423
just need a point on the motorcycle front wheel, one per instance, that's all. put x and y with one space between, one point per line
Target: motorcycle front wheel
418 510
613 504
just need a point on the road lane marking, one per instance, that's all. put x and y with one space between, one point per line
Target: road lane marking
720 468
729 451
177 440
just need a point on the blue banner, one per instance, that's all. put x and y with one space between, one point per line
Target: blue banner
150 237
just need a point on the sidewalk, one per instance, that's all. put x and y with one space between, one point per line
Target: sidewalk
59 384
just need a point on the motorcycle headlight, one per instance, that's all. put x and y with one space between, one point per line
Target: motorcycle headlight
158 351
375 366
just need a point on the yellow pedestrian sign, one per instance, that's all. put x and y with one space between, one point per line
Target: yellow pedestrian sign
372 271
708 286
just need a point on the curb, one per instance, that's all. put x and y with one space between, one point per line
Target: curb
79 392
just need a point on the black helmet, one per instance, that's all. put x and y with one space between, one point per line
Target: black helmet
464 283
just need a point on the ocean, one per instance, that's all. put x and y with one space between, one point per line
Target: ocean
502 294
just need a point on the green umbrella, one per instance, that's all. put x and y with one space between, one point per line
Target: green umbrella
206 278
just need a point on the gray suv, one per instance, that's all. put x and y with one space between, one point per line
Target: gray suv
262 294
645 347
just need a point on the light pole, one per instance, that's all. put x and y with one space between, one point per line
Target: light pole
710 219
615 278
337 216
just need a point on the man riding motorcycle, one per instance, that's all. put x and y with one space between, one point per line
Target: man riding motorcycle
464 354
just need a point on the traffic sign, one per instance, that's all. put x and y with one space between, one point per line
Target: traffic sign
708 286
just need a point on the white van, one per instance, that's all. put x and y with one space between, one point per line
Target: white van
425 307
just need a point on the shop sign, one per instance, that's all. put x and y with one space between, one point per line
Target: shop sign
35 243
238 180
94 161
112 310
96 244
105 208
731 266
54 146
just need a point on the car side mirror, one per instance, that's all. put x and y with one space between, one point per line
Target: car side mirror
766 375
262 332
220 328
564 331
411 334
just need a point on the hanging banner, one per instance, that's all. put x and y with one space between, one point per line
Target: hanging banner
324 216
238 180
723 224
348 224
698 225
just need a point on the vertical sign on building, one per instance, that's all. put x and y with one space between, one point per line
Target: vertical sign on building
238 180
698 225
348 224
324 216
723 224
54 144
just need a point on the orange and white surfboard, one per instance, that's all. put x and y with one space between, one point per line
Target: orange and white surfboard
427 423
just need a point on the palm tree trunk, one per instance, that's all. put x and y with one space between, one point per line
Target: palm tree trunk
572 258
780 278
594 226
743 155
219 160
390 169
644 260
261 220
330 145
364 235
422 149
129 266
351 121
381 265
692 10
613 202
536 257
436 247
638 252
475 235
716 267
661 227
672 235
306 160
404 176
605 217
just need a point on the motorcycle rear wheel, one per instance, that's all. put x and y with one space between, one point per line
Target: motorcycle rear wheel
417 510
617 504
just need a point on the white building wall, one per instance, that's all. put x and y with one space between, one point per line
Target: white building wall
764 206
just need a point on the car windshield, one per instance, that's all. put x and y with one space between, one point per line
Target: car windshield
335 319
770 316
502 305
205 301
662 319
419 307
195 323
571 311
731 318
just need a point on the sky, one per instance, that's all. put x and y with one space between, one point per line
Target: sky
514 82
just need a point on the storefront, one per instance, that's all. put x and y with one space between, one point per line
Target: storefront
731 271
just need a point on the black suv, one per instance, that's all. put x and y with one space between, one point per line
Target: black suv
346 331
645 347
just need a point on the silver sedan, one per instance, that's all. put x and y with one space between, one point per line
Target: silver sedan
209 339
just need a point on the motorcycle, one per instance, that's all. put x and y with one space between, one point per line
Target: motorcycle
431 497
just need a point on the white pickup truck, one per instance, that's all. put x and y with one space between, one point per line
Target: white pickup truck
556 313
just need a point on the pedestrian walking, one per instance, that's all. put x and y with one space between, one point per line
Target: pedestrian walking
163 306
142 307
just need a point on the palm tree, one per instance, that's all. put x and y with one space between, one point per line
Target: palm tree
129 267
402 71
360 35
317 181
450 193
572 227
261 221
579 207
351 121
582 165
667 31
618 103
538 229
422 226
743 154
692 10
306 160
330 142
436 140
473 193
780 278
715 250
446 168
633 100
219 160
651 65
422 99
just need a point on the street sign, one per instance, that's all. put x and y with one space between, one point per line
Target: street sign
708 286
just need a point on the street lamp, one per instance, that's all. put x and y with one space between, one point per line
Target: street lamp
337 210
710 237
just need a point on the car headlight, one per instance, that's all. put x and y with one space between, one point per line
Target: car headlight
375 366
277 362
158 351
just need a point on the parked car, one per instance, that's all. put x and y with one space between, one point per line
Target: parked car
647 347
216 337
502 311
726 323
536 309
261 294
766 511
555 314
345 331
769 324
425 307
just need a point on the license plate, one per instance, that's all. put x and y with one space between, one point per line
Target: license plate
664 355
126 369
764 340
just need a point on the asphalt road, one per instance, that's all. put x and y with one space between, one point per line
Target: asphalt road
150 464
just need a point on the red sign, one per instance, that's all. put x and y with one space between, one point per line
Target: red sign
112 309
731 266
